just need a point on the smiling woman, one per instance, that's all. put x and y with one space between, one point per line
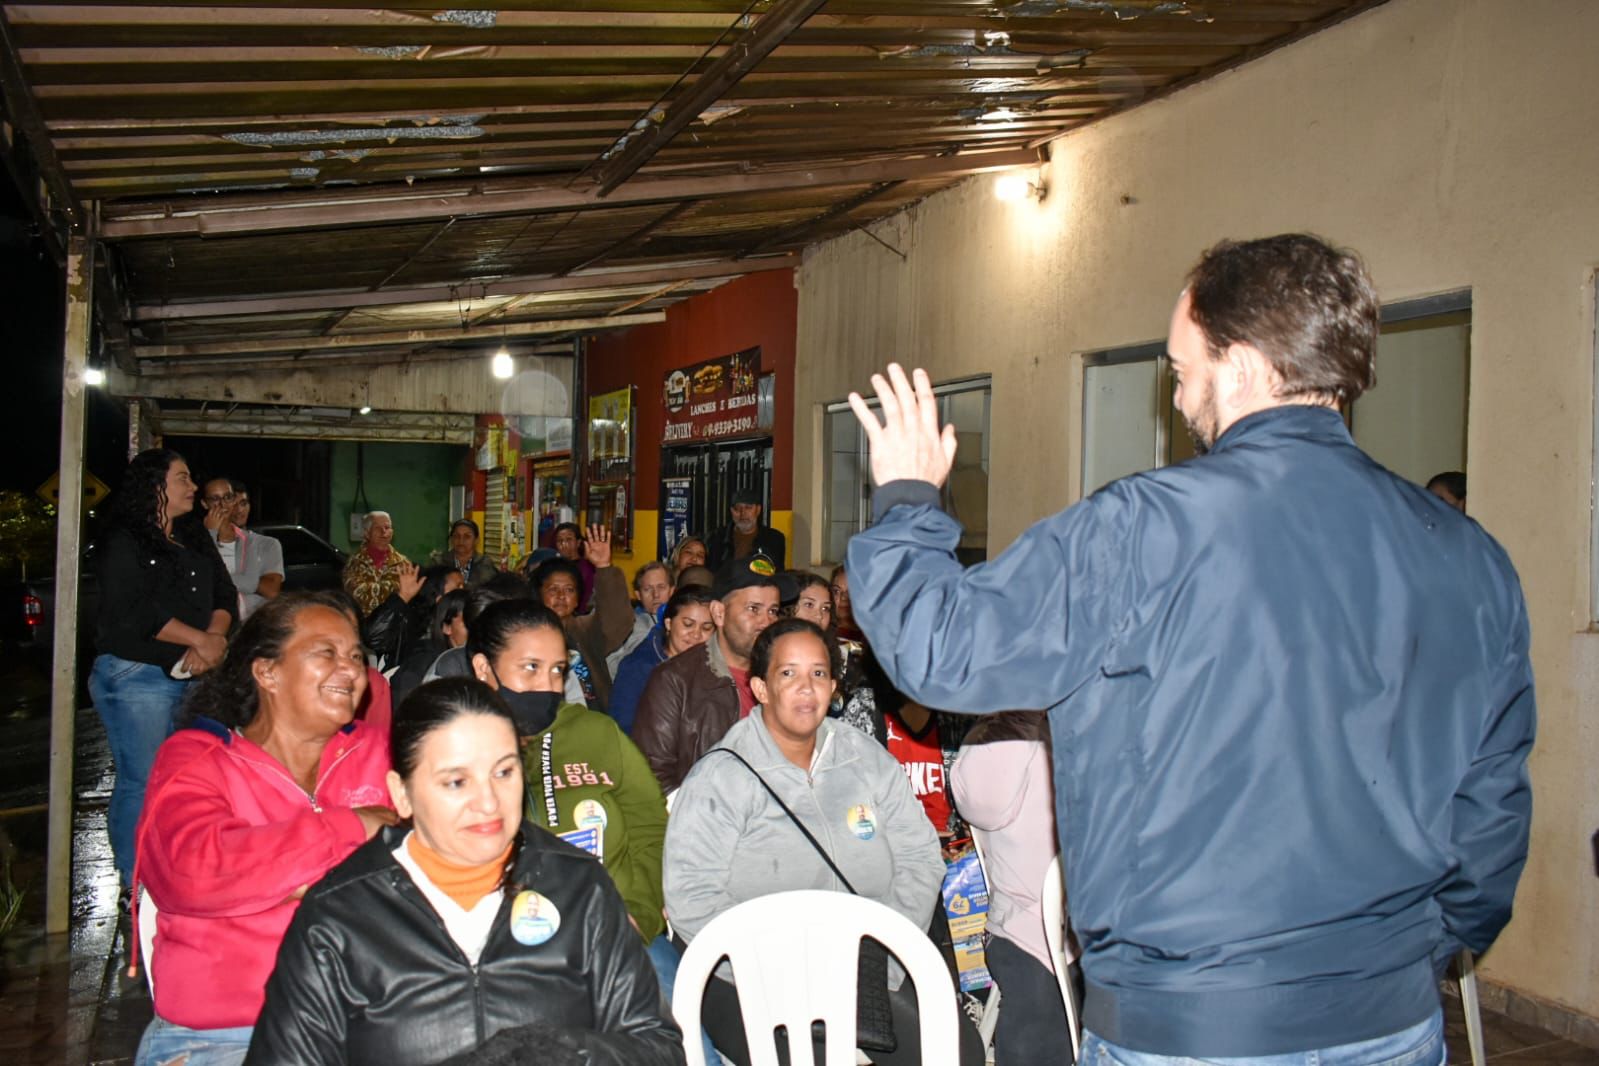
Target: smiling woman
470 936
270 784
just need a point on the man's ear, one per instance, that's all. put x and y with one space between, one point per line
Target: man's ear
1244 377
718 613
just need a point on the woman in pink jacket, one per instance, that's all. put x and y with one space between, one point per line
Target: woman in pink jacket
1004 789
271 783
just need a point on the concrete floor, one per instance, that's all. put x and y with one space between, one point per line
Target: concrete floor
64 1000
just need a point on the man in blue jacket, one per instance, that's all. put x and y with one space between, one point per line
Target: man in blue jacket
1290 697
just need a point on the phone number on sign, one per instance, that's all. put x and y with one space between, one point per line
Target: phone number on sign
722 427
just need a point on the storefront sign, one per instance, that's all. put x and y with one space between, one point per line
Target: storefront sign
715 399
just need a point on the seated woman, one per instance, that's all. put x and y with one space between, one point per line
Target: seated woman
729 841
1003 784
557 583
270 784
446 630
687 625
469 935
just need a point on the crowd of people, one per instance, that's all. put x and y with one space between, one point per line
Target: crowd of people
472 813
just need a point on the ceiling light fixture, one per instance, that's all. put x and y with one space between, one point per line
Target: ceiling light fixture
94 377
366 409
502 366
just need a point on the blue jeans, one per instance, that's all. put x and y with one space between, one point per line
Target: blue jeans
1420 1045
665 958
165 1043
136 701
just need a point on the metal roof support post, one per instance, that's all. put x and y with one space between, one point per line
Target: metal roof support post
64 674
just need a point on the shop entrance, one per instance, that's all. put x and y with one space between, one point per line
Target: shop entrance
698 482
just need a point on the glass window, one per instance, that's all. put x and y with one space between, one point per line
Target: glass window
1413 421
847 475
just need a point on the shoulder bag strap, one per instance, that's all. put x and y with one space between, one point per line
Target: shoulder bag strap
793 818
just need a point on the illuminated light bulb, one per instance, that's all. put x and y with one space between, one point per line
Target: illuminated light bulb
366 409
502 367
94 376
1012 187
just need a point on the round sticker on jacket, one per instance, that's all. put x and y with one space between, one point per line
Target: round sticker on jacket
534 919
590 814
859 820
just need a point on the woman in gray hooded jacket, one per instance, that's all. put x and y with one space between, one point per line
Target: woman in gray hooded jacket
728 841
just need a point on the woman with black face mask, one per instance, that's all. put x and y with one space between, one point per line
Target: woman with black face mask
586 782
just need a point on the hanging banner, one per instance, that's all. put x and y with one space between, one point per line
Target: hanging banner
675 495
714 399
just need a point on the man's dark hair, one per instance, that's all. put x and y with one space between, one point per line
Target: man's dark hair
761 654
1308 307
1451 481
687 596
504 585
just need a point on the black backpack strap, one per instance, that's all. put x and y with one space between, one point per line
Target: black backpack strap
831 865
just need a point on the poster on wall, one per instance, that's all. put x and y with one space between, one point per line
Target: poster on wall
713 400
608 505
675 495
611 434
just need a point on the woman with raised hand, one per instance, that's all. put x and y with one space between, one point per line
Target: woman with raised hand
467 935
270 784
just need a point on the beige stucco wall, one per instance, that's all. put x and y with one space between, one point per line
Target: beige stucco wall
1454 143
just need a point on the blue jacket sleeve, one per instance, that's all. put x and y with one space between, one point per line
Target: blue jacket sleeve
1016 633
1491 814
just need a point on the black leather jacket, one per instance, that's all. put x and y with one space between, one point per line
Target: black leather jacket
368 974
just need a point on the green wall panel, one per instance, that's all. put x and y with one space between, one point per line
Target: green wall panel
410 481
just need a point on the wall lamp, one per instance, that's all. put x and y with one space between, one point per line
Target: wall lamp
1012 187
93 376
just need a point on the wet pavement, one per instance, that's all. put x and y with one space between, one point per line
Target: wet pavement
65 1001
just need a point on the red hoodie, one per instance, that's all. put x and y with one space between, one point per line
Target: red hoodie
226 839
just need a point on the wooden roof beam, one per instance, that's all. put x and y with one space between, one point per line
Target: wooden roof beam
361 341
743 56
334 208
514 287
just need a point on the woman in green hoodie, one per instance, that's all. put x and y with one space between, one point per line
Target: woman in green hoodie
586 782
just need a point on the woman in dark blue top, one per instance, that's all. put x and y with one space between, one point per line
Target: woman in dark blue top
686 624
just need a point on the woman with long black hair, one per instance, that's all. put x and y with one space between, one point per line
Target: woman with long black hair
166 604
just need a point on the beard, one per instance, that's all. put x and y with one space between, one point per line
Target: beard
1202 426
746 527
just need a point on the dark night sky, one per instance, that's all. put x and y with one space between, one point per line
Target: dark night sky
30 338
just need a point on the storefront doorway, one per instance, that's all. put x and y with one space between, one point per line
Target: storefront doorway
698 482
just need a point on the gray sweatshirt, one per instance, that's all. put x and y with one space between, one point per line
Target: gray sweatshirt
727 842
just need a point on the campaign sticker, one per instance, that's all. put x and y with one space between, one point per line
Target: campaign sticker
590 814
859 821
534 919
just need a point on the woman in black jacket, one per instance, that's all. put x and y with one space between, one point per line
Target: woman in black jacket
467 935
166 604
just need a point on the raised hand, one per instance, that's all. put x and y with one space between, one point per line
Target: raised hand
597 549
410 576
908 443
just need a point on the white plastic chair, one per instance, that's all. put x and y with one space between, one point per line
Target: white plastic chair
1052 901
148 914
1469 1004
794 961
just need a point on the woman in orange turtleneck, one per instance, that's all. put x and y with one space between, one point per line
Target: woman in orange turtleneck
466 935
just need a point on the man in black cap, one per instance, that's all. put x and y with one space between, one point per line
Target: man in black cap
746 536
691 700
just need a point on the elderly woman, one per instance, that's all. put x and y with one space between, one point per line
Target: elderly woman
373 574
687 624
272 783
558 584
166 605
730 841
469 936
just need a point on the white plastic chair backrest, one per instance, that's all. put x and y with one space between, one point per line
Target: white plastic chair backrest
794 962
1052 901
148 914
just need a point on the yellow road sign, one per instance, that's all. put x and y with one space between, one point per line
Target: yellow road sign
94 490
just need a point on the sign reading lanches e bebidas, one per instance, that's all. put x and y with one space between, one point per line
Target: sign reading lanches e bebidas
713 400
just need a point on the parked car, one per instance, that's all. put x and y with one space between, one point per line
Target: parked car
309 562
